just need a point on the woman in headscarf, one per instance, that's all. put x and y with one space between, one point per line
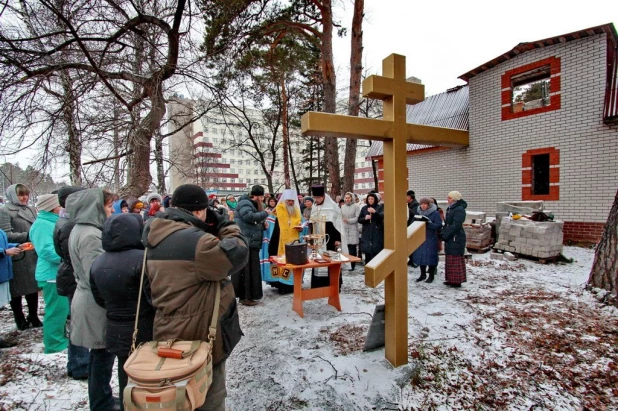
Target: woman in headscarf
454 238
16 218
427 254
308 201
271 203
231 203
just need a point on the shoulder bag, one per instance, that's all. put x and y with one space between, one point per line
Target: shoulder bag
171 375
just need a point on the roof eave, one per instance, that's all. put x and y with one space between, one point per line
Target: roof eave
608 29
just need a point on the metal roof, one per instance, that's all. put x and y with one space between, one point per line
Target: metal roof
448 109
608 29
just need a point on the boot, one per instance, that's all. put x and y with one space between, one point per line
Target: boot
18 314
423 275
432 273
34 321
33 308
21 321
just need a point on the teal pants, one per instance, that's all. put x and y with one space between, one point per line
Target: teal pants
56 313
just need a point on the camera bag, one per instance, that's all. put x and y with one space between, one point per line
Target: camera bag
171 375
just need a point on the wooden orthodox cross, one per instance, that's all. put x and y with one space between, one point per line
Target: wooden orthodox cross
390 264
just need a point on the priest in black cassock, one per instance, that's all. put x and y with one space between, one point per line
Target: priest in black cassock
324 206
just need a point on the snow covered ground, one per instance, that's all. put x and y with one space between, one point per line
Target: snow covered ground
518 335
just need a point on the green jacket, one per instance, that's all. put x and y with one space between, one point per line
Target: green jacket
42 238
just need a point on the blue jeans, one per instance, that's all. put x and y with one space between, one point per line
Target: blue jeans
77 365
99 376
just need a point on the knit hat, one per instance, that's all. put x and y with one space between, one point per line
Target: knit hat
455 195
317 191
425 200
64 192
190 197
47 202
309 199
257 191
153 196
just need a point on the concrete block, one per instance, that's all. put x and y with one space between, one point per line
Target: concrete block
519 207
496 256
475 217
527 250
509 256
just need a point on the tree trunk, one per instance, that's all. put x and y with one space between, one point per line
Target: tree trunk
604 273
140 144
329 82
116 149
285 131
297 187
374 168
158 154
74 142
356 69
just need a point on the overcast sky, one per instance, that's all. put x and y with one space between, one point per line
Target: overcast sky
445 39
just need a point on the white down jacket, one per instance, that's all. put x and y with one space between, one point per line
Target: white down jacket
350 213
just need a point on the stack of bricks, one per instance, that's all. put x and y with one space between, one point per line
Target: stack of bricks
542 239
478 237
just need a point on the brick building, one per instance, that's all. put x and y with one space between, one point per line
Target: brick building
543 124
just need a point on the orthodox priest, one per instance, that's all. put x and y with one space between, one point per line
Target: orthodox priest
325 208
287 227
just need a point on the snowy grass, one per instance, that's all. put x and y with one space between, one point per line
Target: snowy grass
518 335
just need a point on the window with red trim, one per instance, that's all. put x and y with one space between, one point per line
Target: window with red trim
540 174
531 89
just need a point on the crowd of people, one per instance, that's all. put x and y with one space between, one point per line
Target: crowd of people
86 250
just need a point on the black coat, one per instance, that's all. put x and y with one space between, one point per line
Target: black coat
65 278
453 233
372 237
115 281
250 221
412 210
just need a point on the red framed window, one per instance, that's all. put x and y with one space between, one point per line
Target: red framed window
540 174
531 89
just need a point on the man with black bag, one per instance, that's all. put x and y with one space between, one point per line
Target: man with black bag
189 255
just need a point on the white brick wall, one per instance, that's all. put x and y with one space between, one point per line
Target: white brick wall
489 170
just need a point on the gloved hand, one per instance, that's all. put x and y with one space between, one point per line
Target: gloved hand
213 220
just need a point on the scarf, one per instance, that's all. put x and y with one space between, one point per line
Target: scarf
231 204
431 209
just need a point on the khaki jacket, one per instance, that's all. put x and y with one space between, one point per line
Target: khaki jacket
185 264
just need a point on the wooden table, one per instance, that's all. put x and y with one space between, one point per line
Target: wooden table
331 292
